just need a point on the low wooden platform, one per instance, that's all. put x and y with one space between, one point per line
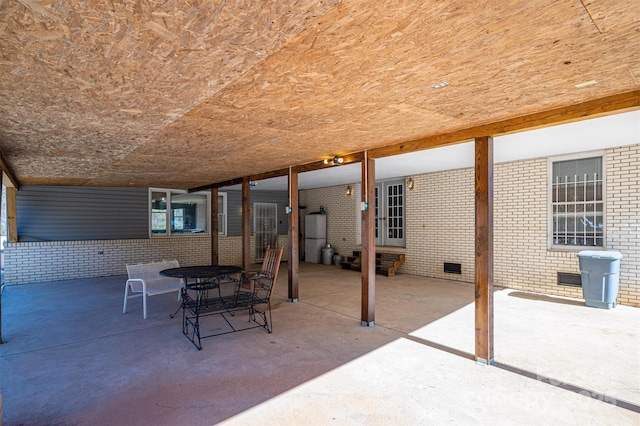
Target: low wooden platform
386 263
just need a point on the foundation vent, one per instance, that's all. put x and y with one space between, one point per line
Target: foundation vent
452 268
571 280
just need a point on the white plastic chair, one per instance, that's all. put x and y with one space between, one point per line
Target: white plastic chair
145 280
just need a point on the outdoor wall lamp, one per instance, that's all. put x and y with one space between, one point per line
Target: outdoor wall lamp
410 183
348 192
335 160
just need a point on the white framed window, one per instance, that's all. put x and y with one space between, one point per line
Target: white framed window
176 212
577 202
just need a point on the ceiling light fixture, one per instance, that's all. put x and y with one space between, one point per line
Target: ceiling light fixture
272 140
334 160
440 85
586 84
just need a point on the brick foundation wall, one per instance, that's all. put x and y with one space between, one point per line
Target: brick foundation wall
54 261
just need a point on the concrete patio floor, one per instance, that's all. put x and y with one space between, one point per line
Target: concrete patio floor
72 358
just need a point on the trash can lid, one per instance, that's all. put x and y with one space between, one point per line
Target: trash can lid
599 254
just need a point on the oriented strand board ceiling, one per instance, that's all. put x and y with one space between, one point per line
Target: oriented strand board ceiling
183 94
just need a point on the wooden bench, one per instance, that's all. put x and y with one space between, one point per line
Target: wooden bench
145 280
386 263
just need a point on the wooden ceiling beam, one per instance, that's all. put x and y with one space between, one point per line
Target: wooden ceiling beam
622 102
591 109
309 167
8 171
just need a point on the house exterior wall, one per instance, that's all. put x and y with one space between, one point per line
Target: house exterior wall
441 228
80 232
341 215
521 258
57 213
234 210
62 213
33 262
623 218
440 223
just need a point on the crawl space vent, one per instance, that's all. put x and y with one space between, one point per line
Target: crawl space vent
452 268
571 280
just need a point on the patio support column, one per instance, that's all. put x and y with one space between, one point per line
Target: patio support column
1 341
12 216
214 226
368 261
293 235
246 224
484 250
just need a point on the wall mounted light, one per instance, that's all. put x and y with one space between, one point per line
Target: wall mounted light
348 192
334 160
410 183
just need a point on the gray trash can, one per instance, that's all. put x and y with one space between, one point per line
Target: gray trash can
327 255
600 272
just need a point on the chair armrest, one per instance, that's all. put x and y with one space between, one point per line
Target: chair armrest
259 281
137 280
256 274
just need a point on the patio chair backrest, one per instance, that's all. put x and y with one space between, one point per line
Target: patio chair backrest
271 262
145 280
150 273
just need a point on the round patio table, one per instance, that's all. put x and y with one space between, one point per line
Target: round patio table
204 278
201 276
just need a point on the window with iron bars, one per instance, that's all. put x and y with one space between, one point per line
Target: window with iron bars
577 203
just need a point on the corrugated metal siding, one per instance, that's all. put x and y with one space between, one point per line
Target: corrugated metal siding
234 210
81 213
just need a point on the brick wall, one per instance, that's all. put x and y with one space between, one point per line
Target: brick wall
440 222
523 261
440 225
444 230
623 218
341 214
54 261
521 258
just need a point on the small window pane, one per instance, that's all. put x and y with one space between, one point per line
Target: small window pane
158 212
188 213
